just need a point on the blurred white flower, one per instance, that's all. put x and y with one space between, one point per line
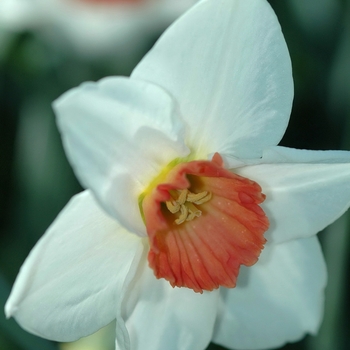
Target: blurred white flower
218 82
93 28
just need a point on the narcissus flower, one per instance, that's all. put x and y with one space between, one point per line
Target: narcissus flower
93 28
185 184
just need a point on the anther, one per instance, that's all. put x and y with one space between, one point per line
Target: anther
183 216
193 197
193 214
185 204
204 199
172 206
183 196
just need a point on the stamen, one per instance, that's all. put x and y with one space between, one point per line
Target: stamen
204 199
183 216
183 196
184 204
193 214
193 197
173 207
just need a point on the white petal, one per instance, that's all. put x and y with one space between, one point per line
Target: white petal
280 154
305 190
118 135
161 317
278 300
73 280
227 64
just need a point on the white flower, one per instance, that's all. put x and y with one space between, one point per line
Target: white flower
93 28
219 80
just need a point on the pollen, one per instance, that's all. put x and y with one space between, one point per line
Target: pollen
183 204
203 222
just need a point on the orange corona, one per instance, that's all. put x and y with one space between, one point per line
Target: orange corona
203 222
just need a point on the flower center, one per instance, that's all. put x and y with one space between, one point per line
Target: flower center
203 223
184 204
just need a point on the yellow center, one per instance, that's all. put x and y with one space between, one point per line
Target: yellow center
161 178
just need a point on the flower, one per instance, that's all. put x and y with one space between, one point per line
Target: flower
217 86
93 28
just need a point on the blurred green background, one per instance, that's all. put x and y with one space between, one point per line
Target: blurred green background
36 181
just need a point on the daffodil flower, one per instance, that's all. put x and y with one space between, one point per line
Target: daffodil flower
93 28
184 184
